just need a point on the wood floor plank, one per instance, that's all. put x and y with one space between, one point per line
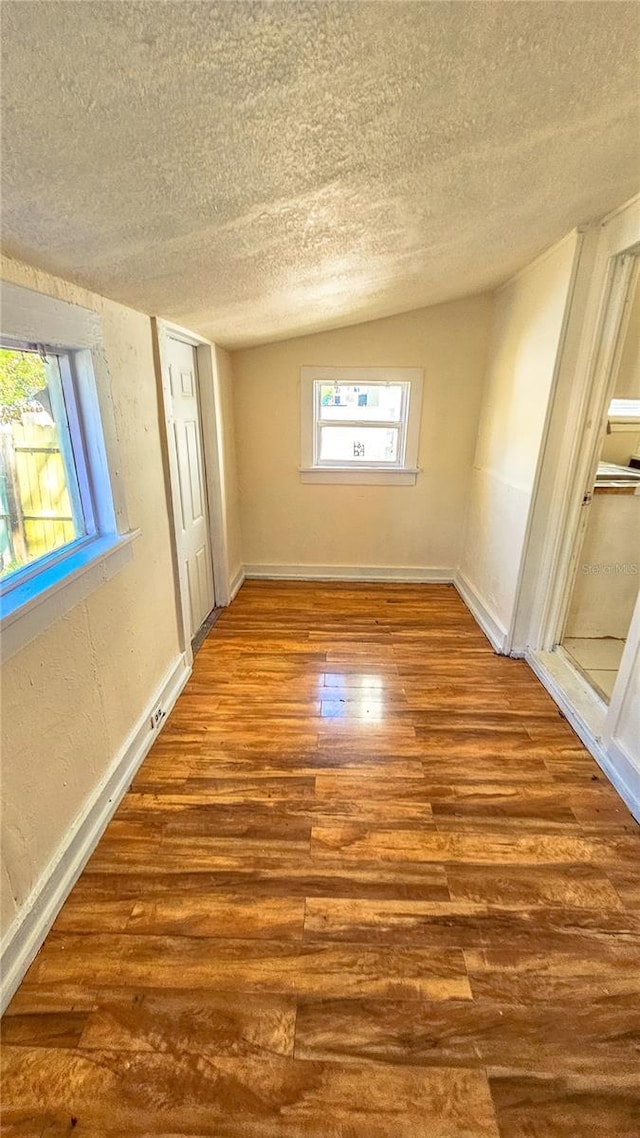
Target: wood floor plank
368 883
61 1029
468 924
597 958
222 964
293 877
197 1022
567 1106
108 1094
532 1038
571 887
354 841
219 915
146 1019
199 913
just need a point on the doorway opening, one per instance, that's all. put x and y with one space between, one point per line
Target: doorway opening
187 376
607 568
193 531
580 614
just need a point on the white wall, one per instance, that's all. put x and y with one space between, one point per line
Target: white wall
71 697
293 526
528 322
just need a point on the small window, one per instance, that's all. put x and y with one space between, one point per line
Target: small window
41 462
360 421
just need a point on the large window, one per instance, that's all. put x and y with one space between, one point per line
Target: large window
360 422
41 460
63 526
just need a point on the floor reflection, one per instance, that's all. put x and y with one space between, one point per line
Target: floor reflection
352 696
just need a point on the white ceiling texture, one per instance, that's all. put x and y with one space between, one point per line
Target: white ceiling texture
260 170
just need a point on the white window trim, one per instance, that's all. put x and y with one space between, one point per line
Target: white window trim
404 472
42 592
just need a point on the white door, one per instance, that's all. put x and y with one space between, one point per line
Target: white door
193 535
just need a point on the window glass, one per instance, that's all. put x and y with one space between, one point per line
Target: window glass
373 402
40 506
358 444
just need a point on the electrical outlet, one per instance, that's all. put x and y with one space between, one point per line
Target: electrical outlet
157 716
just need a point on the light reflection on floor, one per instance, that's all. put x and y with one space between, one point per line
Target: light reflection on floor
351 696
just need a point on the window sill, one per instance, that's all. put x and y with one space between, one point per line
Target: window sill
367 476
35 604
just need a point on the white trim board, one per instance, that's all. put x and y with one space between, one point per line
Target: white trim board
27 932
576 700
388 573
236 584
36 316
347 476
494 631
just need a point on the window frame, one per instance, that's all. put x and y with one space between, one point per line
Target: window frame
42 591
404 470
82 473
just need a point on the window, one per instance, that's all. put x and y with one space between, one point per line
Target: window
360 424
61 533
41 464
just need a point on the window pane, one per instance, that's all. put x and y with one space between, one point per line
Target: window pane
39 499
358 444
370 402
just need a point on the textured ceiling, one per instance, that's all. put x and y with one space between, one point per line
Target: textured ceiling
259 170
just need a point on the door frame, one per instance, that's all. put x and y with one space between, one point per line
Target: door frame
575 421
622 267
209 406
596 324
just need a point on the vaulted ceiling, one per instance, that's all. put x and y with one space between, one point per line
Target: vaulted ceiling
260 170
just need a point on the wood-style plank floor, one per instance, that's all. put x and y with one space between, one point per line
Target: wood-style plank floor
367 884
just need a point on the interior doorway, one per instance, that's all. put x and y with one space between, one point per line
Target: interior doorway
606 569
579 622
182 357
193 531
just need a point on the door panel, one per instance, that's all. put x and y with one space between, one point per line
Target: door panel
194 539
193 456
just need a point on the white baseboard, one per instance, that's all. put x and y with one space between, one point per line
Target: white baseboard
489 623
30 927
389 573
578 704
236 584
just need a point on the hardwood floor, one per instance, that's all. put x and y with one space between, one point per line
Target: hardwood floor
367 884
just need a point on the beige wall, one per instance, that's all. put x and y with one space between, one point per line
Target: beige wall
287 523
528 321
71 697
